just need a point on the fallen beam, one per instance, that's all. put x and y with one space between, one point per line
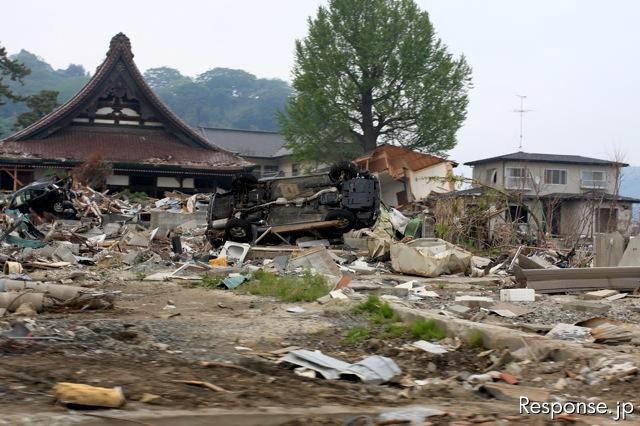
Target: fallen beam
622 278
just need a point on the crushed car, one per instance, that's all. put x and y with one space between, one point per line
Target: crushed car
346 195
50 195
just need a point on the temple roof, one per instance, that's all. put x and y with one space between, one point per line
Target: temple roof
117 115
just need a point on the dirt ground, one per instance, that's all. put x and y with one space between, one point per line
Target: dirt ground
162 332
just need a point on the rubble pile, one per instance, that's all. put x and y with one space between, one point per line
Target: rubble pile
410 315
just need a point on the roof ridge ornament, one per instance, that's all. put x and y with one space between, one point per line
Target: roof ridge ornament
120 42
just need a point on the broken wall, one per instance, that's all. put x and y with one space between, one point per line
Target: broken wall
422 184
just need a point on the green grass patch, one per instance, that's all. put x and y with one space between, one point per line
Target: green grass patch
209 281
426 330
379 312
357 335
475 339
305 288
385 323
396 330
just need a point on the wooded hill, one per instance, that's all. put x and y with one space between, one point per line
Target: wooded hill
220 97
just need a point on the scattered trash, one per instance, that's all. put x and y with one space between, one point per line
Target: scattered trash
373 369
88 396
429 257
432 348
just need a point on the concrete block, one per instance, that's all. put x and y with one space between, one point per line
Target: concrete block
608 249
166 221
631 256
475 301
65 254
518 295
459 309
588 306
395 291
600 294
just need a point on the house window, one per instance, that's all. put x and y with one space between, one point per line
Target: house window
516 178
142 181
606 219
492 177
295 169
555 177
593 179
518 214
205 184
270 170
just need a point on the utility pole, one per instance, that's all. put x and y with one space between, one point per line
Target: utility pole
522 112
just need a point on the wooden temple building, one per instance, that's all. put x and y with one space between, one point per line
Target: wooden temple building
119 118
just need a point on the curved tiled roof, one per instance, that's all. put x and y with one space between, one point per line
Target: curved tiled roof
58 120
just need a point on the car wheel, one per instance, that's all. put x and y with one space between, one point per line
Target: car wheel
244 180
58 207
346 218
238 230
343 170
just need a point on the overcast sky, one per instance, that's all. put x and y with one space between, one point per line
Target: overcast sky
576 60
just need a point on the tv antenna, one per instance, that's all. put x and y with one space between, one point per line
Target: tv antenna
522 112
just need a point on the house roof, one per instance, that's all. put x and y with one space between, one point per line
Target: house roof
479 191
248 143
395 159
546 158
58 136
128 145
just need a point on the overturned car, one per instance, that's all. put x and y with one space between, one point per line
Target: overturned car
345 196
50 195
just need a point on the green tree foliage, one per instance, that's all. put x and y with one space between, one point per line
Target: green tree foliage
221 97
14 71
159 78
373 71
39 105
67 82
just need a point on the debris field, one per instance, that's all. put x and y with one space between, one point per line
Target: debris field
131 308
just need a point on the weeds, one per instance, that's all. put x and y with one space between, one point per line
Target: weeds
385 323
357 335
306 288
208 281
379 312
475 339
426 330
140 276
395 331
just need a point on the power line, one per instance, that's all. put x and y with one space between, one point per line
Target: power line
522 112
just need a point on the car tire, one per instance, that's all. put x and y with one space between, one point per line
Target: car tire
343 170
238 230
244 179
348 219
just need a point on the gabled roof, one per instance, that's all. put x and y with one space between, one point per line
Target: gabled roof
59 135
546 158
248 143
395 159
